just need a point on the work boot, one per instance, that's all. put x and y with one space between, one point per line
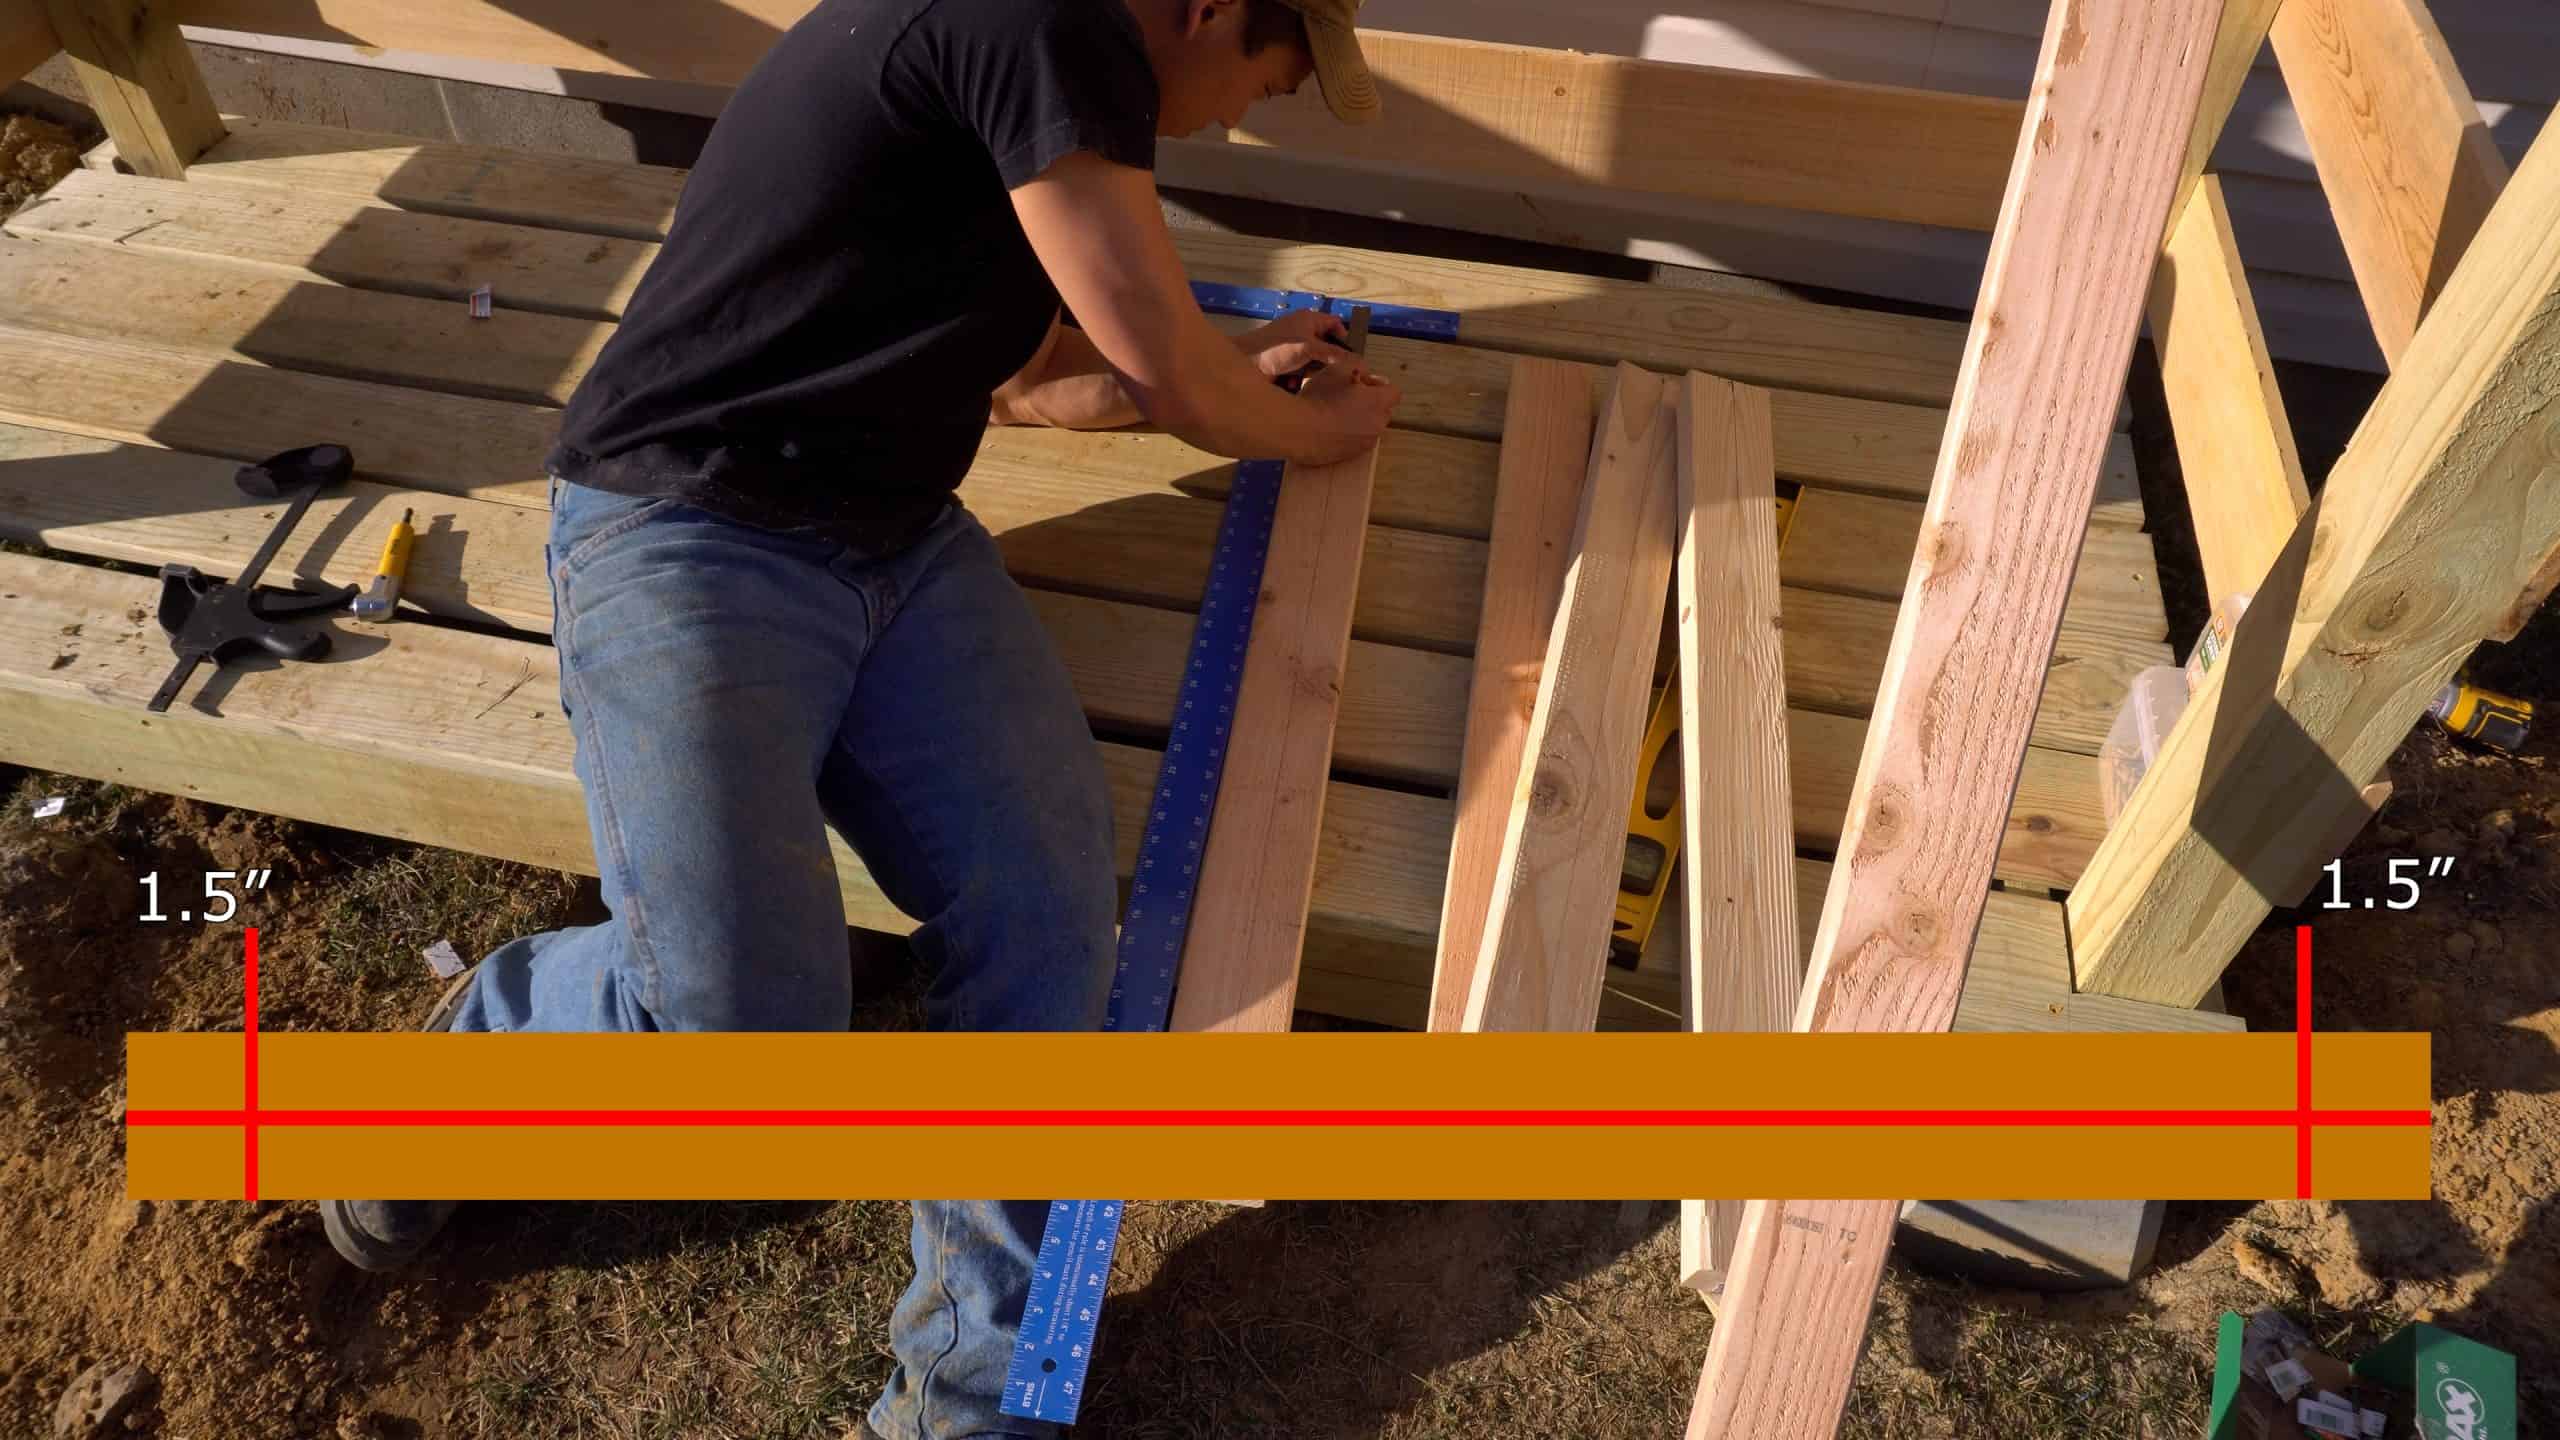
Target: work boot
387 1234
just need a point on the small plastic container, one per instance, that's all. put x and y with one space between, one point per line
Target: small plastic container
2151 708
2215 642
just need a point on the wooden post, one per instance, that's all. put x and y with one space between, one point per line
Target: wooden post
2244 477
2236 44
1258 868
1546 453
1546 937
2108 125
1737 868
27 39
140 79
2408 165
2440 526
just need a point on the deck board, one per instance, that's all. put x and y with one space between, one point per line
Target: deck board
482 562
1881 447
1833 349
1148 546
304 282
418 750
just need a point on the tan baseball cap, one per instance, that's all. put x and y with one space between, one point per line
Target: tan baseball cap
1341 69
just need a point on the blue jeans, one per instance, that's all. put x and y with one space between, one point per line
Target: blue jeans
736 692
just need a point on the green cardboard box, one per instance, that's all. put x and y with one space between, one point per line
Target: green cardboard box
2464 1390
2460 1388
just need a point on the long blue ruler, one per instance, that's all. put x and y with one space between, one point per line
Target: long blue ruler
1054 1347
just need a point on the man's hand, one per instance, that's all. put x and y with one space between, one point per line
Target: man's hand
1354 407
1099 231
1295 341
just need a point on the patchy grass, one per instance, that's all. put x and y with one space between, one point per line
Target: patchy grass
387 903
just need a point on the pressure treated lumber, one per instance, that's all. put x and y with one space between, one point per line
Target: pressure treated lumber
26 39
1737 862
137 75
1766 341
2236 44
1515 113
1402 709
1546 935
2107 123
1150 547
2235 445
1546 455
1249 918
2439 527
1878 446
2406 161
412 747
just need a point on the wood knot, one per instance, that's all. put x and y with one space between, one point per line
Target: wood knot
1888 823
1918 925
2039 825
1551 793
1942 552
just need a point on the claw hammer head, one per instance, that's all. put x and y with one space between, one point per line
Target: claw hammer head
320 467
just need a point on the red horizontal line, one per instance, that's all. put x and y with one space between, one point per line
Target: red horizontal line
1347 1119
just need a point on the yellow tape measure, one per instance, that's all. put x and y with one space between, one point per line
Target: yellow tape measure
1654 818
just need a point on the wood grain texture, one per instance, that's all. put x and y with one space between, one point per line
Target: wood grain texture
1249 920
1546 455
136 72
2235 443
1516 113
2406 161
1546 935
1828 349
409 746
1738 860
1402 709
1874 446
1103 515
2099 159
709 45
2237 43
2440 526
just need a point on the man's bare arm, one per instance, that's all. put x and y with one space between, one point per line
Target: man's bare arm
1067 385
1098 231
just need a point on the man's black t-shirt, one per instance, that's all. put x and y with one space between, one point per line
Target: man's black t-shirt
845 284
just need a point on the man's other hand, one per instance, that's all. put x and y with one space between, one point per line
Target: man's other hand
1294 342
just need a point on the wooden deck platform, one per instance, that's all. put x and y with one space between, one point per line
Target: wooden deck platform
305 284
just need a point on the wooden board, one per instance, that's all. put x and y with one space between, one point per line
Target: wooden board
1767 341
1248 922
410 747
2403 154
137 75
2107 123
1148 546
26 39
2438 528
1867 445
2235 443
1428 481
2237 43
1737 861
1515 113
1546 934
1402 709
1546 453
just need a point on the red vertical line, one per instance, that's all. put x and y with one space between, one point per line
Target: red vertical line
2302 1061
249 1075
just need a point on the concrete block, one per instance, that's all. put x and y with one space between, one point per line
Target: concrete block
2033 1244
